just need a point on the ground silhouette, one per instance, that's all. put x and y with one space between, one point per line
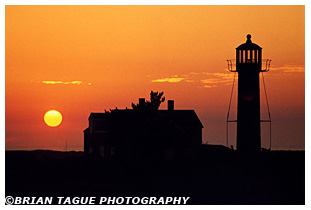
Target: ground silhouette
216 175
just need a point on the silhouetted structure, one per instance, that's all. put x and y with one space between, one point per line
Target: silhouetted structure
142 132
248 65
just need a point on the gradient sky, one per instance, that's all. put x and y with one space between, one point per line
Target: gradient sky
83 59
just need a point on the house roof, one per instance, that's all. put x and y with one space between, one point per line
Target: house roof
184 118
97 115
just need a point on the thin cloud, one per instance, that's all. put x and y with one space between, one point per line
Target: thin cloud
51 82
289 69
210 86
172 80
195 77
294 70
73 82
216 79
211 81
222 75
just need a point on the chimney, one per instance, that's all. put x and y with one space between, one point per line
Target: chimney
170 105
141 101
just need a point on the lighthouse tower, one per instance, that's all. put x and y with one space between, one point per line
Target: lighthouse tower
248 65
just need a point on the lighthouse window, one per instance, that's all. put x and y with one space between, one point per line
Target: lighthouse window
241 56
252 56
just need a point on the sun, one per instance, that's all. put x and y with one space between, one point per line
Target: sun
53 118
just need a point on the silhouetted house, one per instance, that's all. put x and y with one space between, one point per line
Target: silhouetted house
140 133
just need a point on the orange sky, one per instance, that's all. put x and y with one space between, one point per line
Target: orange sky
102 57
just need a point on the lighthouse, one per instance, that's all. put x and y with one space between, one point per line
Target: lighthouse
248 66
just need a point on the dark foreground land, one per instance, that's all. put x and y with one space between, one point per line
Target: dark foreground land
216 175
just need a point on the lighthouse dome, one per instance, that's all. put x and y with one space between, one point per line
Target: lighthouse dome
248 45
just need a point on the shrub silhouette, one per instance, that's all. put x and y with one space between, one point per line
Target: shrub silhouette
156 99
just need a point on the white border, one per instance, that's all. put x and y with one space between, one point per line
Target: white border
150 2
307 3
307 102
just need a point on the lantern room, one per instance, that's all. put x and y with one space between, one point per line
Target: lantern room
248 52
249 55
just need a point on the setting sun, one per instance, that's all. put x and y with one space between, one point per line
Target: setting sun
53 118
